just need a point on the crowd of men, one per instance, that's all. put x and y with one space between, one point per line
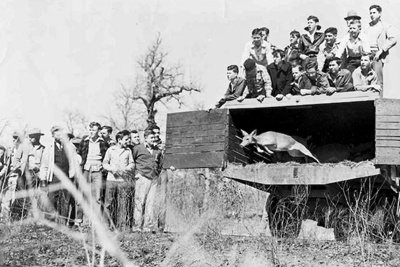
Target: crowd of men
315 62
104 163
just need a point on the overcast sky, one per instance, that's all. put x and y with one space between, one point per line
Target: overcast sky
75 53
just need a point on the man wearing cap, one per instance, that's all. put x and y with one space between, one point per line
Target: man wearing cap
56 155
313 81
310 41
351 17
35 154
381 38
258 82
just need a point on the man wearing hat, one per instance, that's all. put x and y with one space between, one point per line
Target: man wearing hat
258 81
310 41
351 17
35 154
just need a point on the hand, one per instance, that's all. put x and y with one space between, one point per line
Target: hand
304 91
288 96
279 97
330 90
378 54
303 57
172 168
376 87
260 98
36 169
240 99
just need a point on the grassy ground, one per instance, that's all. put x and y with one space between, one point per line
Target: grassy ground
37 245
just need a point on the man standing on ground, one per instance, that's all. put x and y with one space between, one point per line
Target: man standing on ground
105 133
35 154
92 150
147 159
381 39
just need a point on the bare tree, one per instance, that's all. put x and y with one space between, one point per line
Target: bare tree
4 123
159 83
75 120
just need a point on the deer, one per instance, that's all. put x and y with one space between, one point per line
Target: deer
273 141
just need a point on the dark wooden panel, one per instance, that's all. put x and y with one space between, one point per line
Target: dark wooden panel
195 160
194 128
388 125
176 140
195 133
196 148
387 106
388 155
196 118
388 143
388 118
380 132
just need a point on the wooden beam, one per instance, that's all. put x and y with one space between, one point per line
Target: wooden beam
304 100
195 160
300 174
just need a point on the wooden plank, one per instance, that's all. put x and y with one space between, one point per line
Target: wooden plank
304 100
200 117
200 148
387 143
387 155
382 137
200 127
385 106
380 132
196 134
388 118
172 141
194 160
388 125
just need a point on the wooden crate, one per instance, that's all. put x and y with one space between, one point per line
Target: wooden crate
387 131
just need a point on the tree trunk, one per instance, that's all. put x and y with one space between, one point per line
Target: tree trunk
151 113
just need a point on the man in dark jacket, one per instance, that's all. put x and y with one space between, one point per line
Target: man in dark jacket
311 41
235 88
92 149
313 81
281 75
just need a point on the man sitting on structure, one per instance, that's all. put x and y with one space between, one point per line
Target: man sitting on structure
298 72
340 80
292 52
328 49
364 77
313 81
281 75
235 88
258 82
311 41
258 50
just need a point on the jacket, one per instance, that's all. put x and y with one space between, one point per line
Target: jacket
281 78
318 86
307 47
146 164
234 90
83 149
343 81
386 39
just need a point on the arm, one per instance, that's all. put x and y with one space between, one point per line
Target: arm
342 46
267 83
322 84
289 80
107 161
131 163
238 91
390 38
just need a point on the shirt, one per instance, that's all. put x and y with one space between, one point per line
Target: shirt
260 85
317 86
235 89
261 55
354 47
373 34
35 156
360 79
120 159
94 155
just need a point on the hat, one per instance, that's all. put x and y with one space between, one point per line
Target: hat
35 131
352 15
318 28
70 135
55 128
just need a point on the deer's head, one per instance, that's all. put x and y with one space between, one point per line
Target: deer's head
248 139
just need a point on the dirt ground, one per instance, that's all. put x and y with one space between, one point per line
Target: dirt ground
37 245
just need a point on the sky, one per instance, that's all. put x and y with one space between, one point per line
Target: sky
75 53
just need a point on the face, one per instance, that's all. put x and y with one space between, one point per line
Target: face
58 136
333 67
33 139
311 73
15 139
264 35
374 14
231 75
312 25
293 39
93 132
296 73
354 30
124 141
365 62
156 134
257 39
135 138
277 58
330 38
150 139
104 133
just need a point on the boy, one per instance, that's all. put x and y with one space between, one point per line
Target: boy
292 54
235 88
340 80
364 77
281 75
106 132
297 72
310 41
328 49
313 81
258 50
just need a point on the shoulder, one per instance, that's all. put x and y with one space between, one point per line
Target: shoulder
286 66
261 68
345 72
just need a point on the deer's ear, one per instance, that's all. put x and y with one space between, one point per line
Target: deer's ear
244 133
253 133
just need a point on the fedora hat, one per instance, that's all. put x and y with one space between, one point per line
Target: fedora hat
35 131
352 15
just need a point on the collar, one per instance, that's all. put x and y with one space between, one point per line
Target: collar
235 81
264 44
97 140
371 24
